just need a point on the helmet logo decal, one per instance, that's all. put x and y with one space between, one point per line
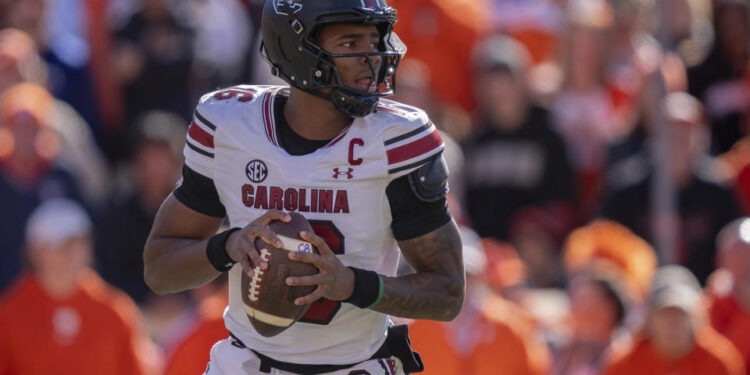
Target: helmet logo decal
371 4
286 7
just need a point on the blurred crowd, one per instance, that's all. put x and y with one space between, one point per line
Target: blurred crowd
600 173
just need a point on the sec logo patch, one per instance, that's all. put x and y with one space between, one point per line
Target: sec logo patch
256 171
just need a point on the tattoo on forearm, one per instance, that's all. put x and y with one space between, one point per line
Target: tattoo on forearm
436 290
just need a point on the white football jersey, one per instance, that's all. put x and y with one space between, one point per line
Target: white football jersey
340 188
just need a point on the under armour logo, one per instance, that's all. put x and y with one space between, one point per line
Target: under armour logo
286 7
338 172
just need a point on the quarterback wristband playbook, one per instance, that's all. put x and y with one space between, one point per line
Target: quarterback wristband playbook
368 288
216 251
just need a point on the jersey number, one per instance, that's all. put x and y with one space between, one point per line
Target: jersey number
323 310
243 95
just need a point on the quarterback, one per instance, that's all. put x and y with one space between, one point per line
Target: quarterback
367 172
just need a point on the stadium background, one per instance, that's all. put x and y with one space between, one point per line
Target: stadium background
563 120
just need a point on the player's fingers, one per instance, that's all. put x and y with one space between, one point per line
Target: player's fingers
255 259
247 266
311 258
248 246
317 279
318 241
272 215
310 298
255 231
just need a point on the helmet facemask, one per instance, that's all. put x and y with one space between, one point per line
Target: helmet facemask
382 64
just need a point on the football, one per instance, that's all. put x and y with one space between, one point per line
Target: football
268 300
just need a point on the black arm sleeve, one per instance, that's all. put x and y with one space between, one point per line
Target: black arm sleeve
199 193
412 217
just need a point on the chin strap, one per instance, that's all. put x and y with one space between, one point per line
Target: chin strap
350 105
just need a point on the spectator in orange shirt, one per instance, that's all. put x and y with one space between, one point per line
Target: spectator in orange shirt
538 25
29 169
61 318
490 336
597 312
192 354
675 338
729 286
609 241
454 26
609 271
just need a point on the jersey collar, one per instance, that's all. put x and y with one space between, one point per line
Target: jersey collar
269 120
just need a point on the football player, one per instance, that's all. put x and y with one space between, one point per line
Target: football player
367 172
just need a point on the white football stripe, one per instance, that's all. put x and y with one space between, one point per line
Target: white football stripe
291 244
268 318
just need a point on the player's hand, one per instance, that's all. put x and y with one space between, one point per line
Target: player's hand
241 244
335 281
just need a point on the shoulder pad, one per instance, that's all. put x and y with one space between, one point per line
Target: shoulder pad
405 112
430 181
218 106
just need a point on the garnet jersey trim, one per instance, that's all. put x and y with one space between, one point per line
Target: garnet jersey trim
200 137
413 148
269 117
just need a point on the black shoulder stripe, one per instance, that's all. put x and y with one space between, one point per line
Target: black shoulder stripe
198 150
407 135
415 164
385 368
204 121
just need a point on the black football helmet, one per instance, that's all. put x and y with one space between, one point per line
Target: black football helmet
289 29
